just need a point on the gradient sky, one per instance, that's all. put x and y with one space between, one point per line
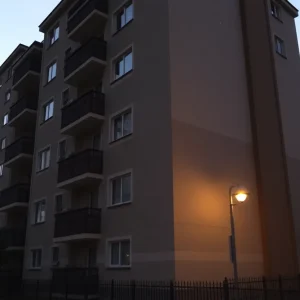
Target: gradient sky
19 20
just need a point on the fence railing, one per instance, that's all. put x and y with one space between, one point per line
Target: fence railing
247 289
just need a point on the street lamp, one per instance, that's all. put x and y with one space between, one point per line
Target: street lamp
237 194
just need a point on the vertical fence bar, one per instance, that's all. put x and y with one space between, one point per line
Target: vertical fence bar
37 290
265 290
226 289
51 288
112 287
280 288
133 285
171 290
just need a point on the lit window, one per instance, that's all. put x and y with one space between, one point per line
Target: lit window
51 71
39 212
121 125
54 35
43 160
280 47
275 10
121 189
5 119
1 170
48 110
36 258
120 253
3 143
124 15
7 96
123 64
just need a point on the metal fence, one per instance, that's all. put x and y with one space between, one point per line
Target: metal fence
251 288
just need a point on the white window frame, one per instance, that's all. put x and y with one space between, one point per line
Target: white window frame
282 46
119 240
121 57
51 71
43 166
32 264
54 34
47 111
3 143
1 170
112 124
123 8
36 220
110 188
5 119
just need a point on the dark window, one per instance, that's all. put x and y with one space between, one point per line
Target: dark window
55 256
280 47
54 35
68 53
65 97
275 10
124 15
59 203
62 150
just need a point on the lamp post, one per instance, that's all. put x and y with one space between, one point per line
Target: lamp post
240 195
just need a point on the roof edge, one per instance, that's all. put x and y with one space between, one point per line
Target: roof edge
290 7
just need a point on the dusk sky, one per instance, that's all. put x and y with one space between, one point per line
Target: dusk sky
19 22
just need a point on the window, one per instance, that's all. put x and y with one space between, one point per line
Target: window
124 15
5 119
51 72
48 110
3 143
43 159
97 141
39 212
1 170
121 189
9 73
55 256
36 258
65 97
54 35
120 255
58 203
62 150
275 10
93 199
121 125
7 96
123 64
280 47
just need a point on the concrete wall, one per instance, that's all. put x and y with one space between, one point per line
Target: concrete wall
212 141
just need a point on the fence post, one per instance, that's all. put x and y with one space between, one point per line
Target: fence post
50 289
280 287
37 290
133 285
299 281
171 290
265 290
112 289
226 289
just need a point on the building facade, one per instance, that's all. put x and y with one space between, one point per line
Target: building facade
126 128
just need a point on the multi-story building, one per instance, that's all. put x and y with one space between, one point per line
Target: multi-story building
148 111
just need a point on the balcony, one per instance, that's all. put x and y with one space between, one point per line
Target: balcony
84 114
85 67
82 169
75 281
78 225
20 153
27 71
23 112
88 20
12 238
14 197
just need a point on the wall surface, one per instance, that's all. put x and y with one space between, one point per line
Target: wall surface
212 142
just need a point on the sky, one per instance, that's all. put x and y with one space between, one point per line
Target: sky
19 21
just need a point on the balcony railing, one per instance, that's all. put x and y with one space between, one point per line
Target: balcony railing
75 280
88 161
12 237
33 63
95 48
80 13
24 145
16 194
76 222
23 104
92 102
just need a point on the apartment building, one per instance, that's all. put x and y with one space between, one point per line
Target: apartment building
147 112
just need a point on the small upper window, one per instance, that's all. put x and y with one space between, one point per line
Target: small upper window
280 47
5 119
275 10
7 96
54 35
124 15
51 72
121 189
36 259
40 212
121 125
123 64
3 143
48 110
120 253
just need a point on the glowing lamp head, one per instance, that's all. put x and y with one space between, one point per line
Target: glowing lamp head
241 194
